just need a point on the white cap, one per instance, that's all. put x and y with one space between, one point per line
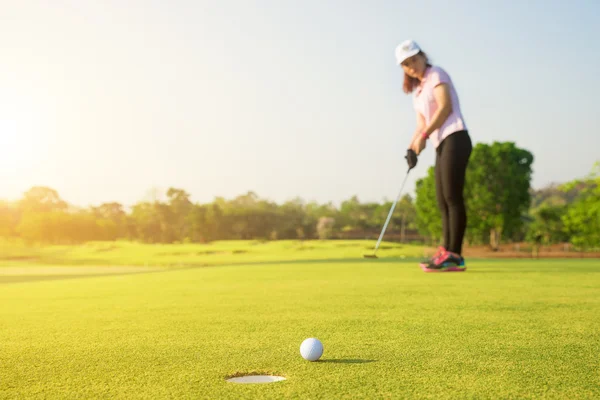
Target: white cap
406 49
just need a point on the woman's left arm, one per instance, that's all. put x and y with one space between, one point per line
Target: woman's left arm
442 98
441 93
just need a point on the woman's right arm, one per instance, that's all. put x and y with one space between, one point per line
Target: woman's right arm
419 130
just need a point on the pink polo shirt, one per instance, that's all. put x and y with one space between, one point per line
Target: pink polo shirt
424 103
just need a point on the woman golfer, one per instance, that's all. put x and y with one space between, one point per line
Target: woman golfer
439 120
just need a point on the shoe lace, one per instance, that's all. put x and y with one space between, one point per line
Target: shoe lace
440 255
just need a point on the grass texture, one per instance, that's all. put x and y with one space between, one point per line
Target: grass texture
503 329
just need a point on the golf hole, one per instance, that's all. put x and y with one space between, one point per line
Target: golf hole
255 379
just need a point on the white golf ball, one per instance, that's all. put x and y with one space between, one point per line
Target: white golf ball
311 349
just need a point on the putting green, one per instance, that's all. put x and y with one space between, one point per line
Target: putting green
43 273
503 329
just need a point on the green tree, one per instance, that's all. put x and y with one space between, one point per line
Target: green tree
147 222
42 216
547 225
215 220
59 227
198 224
179 216
112 220
406 216
8 219
316 211
325 227
497 190
42 199
292 221
582 219
429 218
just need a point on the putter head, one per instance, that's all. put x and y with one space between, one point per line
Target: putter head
369 256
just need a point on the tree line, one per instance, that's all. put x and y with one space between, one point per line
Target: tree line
501 206
42 216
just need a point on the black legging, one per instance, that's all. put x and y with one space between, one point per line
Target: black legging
450 168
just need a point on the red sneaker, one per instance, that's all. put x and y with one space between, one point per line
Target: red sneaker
440 251
447 262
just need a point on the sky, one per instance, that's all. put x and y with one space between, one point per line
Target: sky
115 100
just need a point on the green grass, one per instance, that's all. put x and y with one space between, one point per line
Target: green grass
503 329
177 255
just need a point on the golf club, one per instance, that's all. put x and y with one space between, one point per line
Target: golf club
411 157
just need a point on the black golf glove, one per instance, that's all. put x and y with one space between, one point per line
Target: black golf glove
411 158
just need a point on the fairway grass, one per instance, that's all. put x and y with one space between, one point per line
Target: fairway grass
503 329
123 253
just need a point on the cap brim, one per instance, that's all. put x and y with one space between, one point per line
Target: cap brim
408 55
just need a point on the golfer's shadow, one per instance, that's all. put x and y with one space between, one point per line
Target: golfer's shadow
346 361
